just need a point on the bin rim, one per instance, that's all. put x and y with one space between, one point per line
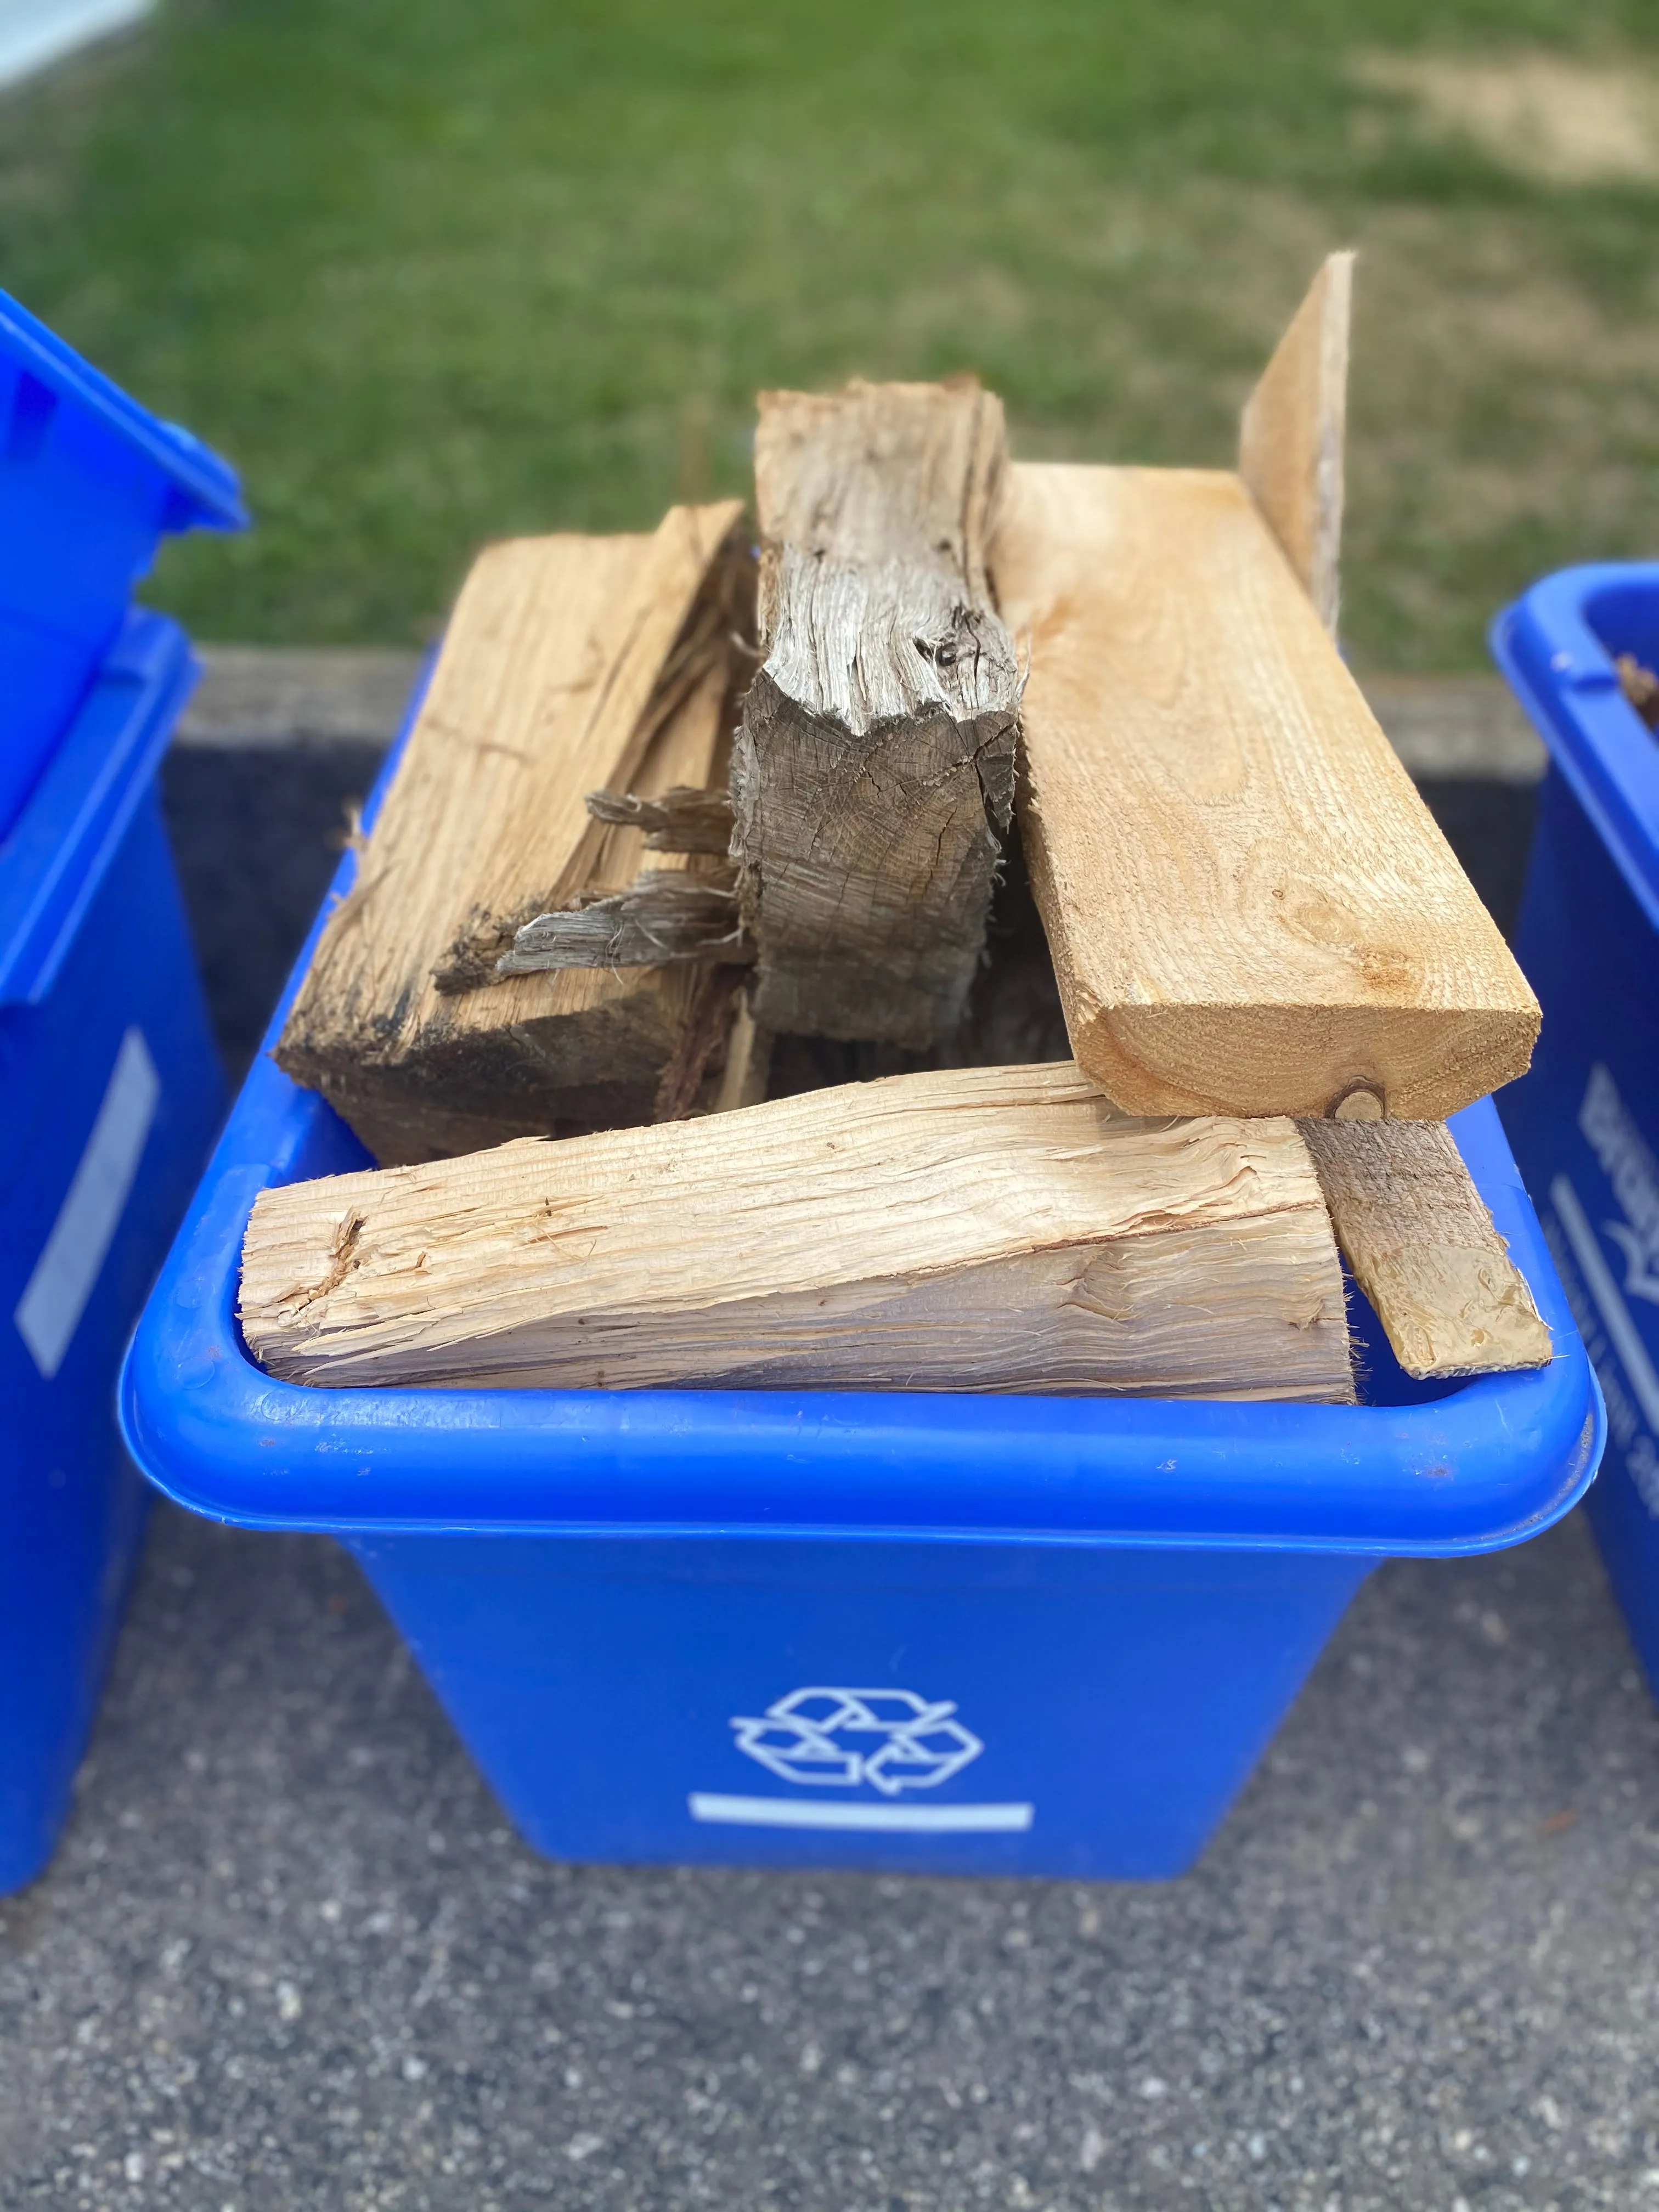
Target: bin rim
1488 1463
54 856
210 493
1564 675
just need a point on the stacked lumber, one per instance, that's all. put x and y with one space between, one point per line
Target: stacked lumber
625 850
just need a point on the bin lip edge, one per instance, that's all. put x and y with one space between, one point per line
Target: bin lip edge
203 1446
1549 616
71 824
209 480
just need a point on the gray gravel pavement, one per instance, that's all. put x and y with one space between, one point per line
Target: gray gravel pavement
291 1955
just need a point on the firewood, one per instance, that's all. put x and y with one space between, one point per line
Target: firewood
985 1229
570 662
1423 1247
1291 434
682 820
873 775
1250 908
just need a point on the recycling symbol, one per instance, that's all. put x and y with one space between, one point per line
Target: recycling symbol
891 1738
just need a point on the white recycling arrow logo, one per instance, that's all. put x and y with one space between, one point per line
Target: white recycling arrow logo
891 1738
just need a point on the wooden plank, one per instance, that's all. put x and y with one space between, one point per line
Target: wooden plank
872 776
1409 1220
1291 434
1423 1247
1043 1243
1250 908
569 662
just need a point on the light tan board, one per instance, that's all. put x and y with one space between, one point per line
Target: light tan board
1422 1246
986 1229
873 773
1291 438
570 663
1251 910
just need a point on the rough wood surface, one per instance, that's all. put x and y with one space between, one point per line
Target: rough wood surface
683 820
1423 1247
663 915
569 662
1250 908
873 775
1290 437
996 1229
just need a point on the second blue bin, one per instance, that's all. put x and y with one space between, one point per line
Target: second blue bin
109 1095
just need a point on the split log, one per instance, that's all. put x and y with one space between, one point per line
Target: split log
1290 437
569 661
1423 1247
873 775
996 1229
1250 908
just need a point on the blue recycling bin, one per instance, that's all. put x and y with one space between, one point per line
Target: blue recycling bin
1585 1121
110 1092
90 483
925 1633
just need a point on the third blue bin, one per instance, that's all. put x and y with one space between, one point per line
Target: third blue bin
1585 1122
942 1633
90 483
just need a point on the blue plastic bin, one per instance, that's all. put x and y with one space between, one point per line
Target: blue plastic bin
109 1095
1585 1121
90 482
943 1634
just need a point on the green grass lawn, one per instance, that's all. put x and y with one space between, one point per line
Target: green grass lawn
434 271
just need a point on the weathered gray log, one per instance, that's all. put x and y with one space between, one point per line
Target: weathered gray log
873 775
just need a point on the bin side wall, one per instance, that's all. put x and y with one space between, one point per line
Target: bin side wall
1109 1703
71 1501
1590 952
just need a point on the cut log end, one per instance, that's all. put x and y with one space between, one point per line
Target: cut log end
1356 1063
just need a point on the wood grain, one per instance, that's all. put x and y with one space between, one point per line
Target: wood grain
873 775
1291 435
569 662
1423 1247
996 1229
1251 911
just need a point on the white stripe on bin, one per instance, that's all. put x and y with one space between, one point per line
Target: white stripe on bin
1609 1298
915 1820
55 1296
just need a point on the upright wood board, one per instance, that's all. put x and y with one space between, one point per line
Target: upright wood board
1251 910
1291 435
873 775
569 663
988 1229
